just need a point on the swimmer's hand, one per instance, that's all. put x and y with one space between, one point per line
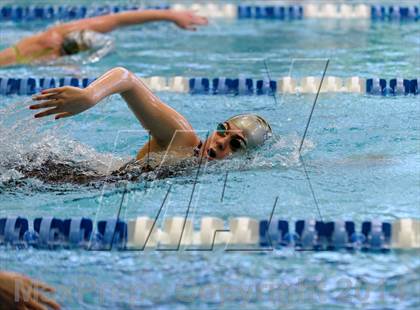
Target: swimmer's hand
188 20
63 101
20 292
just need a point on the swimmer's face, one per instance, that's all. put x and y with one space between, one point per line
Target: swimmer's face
225 141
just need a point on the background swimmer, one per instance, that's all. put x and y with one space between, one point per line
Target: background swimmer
78 36
170 131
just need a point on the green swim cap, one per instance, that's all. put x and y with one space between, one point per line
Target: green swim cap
255 128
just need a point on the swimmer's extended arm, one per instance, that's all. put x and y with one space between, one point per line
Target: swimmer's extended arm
154 115
183 19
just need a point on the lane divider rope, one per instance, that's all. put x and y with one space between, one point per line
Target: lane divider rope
235 86
228 10
241 233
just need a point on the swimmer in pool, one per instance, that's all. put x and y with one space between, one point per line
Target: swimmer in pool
170 132
87 34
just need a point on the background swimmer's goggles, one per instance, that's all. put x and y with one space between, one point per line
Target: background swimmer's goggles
236 142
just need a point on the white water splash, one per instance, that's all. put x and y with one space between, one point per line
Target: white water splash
23 143
280 151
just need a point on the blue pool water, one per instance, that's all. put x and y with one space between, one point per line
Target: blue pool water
361 152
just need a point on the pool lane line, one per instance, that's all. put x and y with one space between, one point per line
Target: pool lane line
260 248
310 186
193 190
224 186
304 135
241 85
128 249
118 215
269 224
334 235
154 222
89 248
269 79
313 106
303 140
190 201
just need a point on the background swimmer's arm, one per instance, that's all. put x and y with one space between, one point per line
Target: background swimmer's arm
154 115
24 51
183 19
7 57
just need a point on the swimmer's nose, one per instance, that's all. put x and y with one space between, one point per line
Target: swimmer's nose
222 143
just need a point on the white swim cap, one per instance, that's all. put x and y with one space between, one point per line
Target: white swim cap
255 129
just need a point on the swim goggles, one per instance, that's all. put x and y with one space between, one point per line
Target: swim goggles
237 143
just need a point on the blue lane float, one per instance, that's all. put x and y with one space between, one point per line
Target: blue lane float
275 234
377 86
111 233
228 86
30 86
221 86
12 230
54 233
78 231
270 12
394 12
341 235
48 233
377 235
306 235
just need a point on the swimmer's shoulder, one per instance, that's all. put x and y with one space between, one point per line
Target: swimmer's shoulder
181 146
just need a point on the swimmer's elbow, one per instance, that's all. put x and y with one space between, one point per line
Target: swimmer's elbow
123 72
123 75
